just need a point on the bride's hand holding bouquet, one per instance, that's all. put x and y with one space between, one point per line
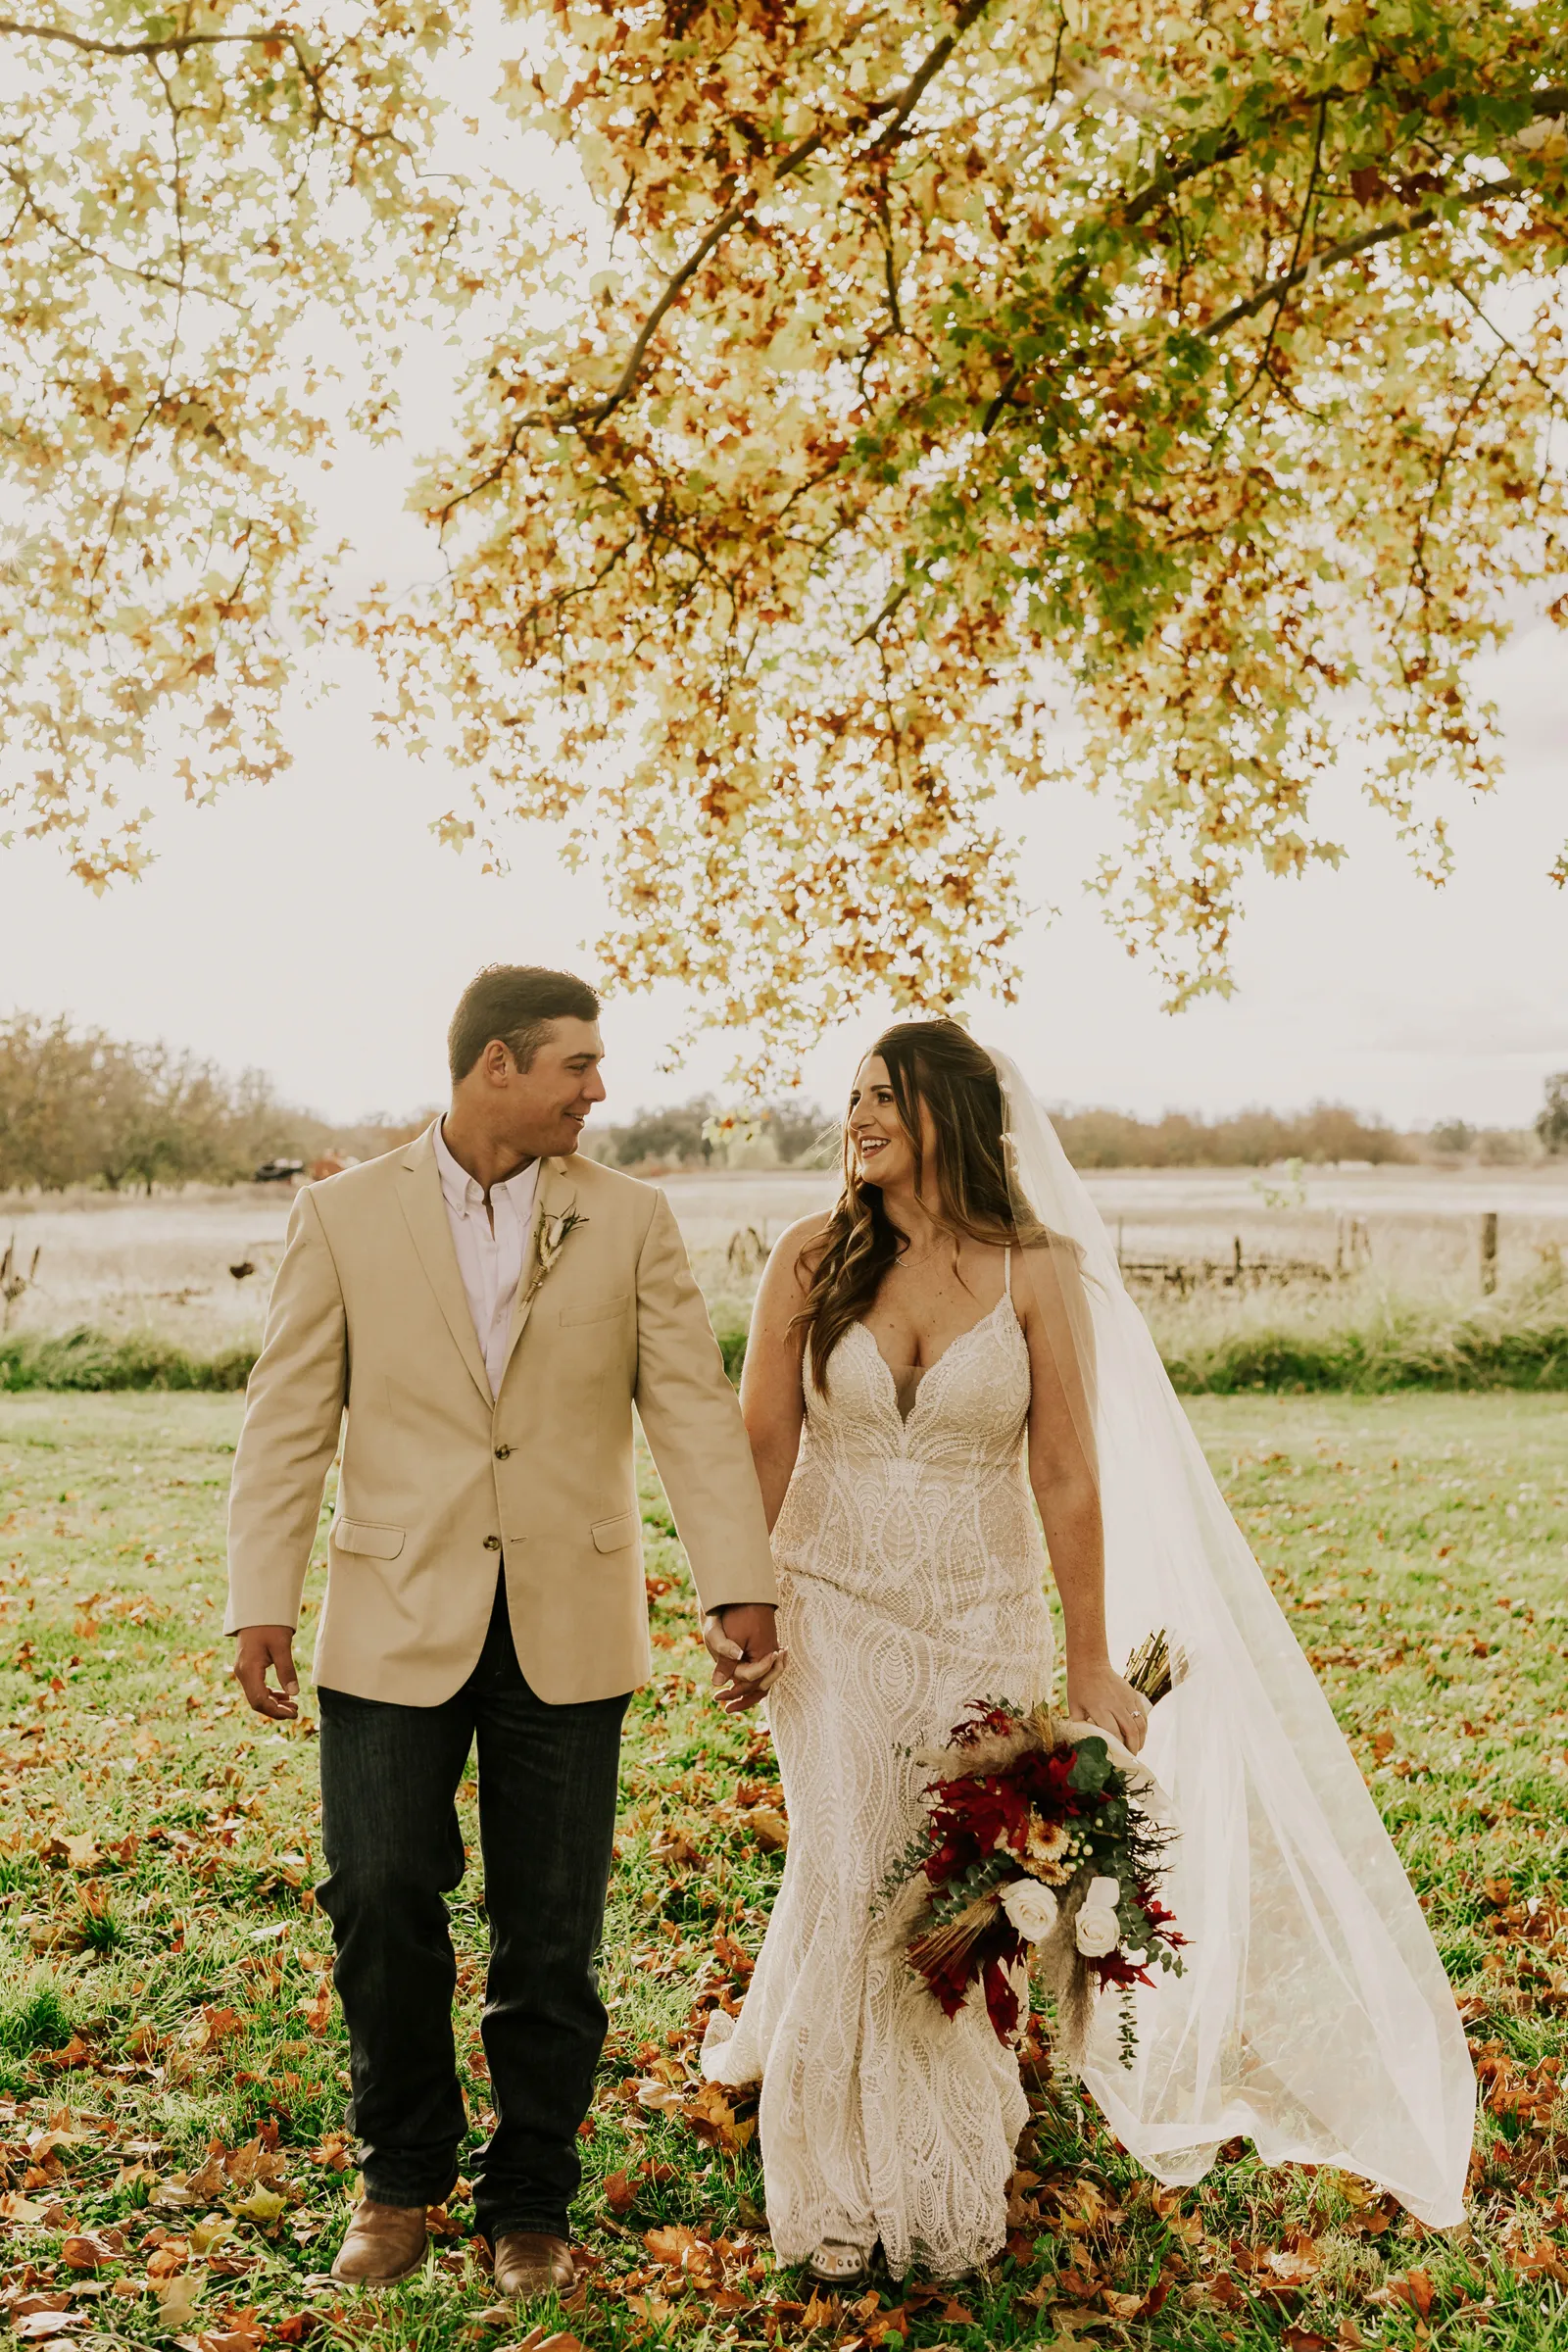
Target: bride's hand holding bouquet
1098 1693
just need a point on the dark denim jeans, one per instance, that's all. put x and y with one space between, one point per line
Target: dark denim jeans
547 1818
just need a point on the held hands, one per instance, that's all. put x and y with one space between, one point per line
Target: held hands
742 1643
1097 1693
264 1646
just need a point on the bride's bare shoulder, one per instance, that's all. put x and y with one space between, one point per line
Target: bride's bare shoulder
795 1255
805 1231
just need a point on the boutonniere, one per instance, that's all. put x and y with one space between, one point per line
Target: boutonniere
550 1239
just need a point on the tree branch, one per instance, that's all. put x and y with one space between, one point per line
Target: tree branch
890 605
173 44
1547 103
673 286
1418 566
913 90
29 203
1172 176
598 413
1301 225
1554 395
1350 248
1010 385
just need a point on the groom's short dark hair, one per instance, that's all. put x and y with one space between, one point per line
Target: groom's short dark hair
517 1003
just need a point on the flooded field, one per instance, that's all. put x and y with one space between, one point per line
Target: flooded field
196 1266
1419 1221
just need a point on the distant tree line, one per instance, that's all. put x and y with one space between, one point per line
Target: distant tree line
689 1135
1247 1138
1325 1134
698 1134
78 1107
693 1135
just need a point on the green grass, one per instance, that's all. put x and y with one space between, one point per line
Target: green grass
94 1361
1371 1344
168 2045
1365 1344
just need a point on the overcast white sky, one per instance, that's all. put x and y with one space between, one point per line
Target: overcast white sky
316 929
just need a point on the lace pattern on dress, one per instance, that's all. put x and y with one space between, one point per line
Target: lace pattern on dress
911 1583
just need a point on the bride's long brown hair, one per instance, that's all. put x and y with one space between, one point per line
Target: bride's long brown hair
939 1064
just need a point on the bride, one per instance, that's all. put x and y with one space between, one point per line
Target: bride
952 1341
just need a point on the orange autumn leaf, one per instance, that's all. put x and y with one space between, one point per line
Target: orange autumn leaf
712 2115
1413 2288
677 2246
87 2252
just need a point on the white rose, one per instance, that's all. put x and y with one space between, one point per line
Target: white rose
1104 1894
1031 1907
1097 1930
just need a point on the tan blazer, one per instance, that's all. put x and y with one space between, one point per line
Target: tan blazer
440 1482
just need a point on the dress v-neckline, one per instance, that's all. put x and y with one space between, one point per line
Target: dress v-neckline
927 1371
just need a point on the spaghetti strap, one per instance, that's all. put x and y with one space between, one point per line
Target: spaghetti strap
1007 1271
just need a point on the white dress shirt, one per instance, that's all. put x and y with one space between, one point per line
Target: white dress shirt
489 1261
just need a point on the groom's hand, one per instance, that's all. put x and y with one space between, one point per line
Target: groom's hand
742 1643
261 1647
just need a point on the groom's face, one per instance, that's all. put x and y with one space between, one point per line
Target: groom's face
547 1104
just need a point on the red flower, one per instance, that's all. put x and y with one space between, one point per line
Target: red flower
1002 2001
1114 1968
1157 1916
970 1819
997 1720
974 1817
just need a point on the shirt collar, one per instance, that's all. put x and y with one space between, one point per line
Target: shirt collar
465 1191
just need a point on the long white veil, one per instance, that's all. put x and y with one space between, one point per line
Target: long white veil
1314 2015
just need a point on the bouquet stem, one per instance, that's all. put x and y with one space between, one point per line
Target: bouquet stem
1148 1668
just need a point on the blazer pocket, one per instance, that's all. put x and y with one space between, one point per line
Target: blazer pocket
364 1535
613 1535
597 1311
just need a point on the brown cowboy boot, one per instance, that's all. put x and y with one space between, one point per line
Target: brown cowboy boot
529 2263
384 2243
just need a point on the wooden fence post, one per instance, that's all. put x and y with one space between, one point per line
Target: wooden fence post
1489 1252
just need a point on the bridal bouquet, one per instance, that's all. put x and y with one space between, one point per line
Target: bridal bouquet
1038 1847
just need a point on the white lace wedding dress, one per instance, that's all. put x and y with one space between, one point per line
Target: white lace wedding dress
912 1577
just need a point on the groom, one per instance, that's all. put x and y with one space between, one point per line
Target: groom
488 1308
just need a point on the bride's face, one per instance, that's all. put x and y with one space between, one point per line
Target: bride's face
877 1134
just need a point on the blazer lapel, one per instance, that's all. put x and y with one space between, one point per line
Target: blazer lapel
424 1209
553 1197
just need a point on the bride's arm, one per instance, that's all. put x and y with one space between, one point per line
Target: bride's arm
772 1392
1063 1474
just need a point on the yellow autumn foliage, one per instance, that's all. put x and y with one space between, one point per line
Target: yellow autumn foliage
875 409
1155 397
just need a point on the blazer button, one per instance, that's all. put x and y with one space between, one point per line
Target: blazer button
503 1452
492 1543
